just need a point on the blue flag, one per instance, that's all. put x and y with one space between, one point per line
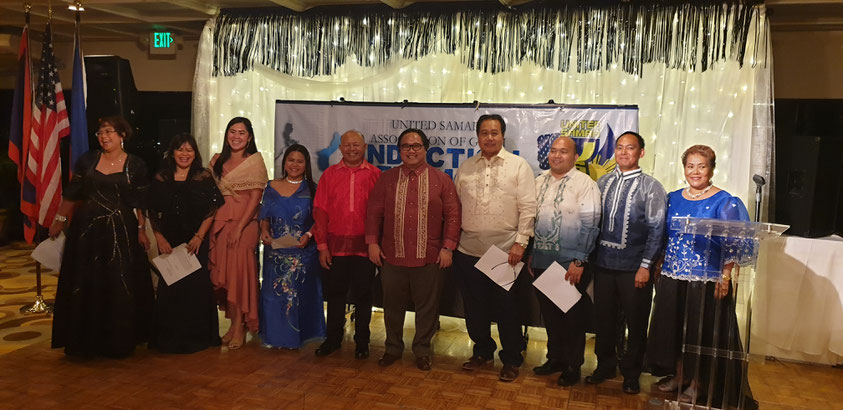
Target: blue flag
78 119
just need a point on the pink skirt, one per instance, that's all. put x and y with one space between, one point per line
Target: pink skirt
234 271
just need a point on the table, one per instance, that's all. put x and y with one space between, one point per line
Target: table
798 302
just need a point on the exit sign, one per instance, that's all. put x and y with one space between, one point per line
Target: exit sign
162 42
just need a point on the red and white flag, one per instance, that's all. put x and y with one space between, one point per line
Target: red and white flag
49 125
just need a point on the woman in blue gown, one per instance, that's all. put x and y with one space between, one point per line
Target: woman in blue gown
291 312
696 273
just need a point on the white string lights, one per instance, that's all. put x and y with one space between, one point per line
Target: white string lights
680 103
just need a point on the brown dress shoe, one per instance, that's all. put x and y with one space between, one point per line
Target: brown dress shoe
423 363
475 362
508 373
387 359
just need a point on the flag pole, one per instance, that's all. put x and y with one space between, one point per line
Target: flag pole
39 306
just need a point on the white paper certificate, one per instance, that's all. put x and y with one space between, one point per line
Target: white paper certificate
553 284
176 265
494 263
286 241
49 252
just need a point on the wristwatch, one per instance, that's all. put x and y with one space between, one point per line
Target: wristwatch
578 263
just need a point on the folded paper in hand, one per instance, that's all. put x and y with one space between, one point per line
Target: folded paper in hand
554 285
49 252
177 264
286 241
495 264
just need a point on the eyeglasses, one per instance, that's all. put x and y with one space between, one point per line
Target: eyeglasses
105 131
414 147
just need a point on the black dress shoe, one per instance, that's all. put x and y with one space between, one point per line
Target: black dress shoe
326 348
569 377
424 363
599 377
549 367
508 373
361 354
476 362
387 360
631 386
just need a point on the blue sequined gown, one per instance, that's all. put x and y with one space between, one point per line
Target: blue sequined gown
291 312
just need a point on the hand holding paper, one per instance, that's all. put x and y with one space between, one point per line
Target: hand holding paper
286 241
176 265
49 252
553 284
495 264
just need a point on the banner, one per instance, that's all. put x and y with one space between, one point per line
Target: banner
530 131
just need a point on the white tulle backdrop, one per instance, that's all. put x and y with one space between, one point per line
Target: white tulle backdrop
726 107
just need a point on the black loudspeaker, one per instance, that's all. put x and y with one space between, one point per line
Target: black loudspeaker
111 91
809 166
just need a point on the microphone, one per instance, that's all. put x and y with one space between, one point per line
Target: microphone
759 182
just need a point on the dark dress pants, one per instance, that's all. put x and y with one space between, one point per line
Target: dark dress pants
404 286
354 273
566 330
484 301
614 290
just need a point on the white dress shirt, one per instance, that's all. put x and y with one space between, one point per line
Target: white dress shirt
498 198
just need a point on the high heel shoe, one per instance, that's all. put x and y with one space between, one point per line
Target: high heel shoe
235 344
689 395
227 337
668 386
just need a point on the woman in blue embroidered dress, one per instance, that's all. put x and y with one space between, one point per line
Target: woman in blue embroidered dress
291 312
698 269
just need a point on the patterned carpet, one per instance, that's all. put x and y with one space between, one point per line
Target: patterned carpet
17 288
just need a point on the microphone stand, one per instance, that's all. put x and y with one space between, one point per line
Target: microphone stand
759 183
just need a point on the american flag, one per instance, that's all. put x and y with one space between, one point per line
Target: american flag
49 125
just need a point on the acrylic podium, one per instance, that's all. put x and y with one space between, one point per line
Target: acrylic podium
716 330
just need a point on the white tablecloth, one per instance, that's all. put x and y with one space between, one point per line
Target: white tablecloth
798 302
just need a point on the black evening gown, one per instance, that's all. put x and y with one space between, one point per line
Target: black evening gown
104 297
185 312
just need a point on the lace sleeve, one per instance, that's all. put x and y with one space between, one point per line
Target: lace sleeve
156 206
207 196
75 188
138 179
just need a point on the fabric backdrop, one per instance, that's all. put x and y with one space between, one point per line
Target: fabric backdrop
700 74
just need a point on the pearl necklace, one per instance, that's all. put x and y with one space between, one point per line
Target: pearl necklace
695 196
295 182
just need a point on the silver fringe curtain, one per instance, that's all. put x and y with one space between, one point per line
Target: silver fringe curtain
566 37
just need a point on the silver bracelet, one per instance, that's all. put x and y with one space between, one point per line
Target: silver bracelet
60 218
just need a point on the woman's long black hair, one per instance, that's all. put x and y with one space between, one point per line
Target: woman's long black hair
168 166
251 147
308 174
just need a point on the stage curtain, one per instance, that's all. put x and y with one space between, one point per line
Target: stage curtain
699 74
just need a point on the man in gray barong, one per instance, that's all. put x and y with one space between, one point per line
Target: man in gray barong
631 237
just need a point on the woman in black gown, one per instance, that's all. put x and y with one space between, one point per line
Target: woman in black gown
183 199
104 297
